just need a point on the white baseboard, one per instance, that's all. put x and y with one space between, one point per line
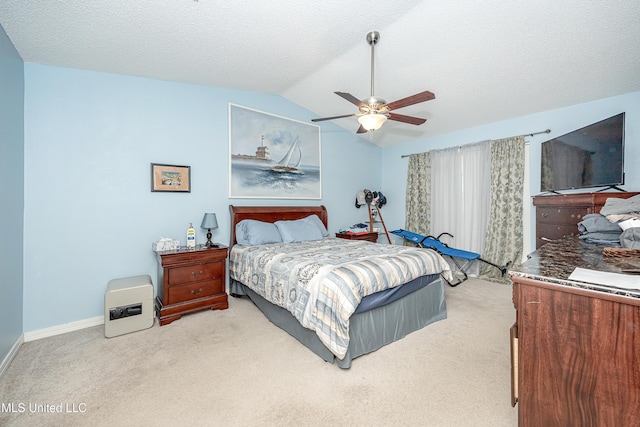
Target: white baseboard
63 329
12 353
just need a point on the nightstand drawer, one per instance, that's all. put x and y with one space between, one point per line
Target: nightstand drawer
196 272
178 294
370 237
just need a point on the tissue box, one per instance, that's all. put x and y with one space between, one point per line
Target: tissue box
165 244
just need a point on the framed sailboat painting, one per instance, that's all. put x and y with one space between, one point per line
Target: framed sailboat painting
272 157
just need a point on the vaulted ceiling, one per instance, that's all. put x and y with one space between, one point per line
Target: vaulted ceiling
485 60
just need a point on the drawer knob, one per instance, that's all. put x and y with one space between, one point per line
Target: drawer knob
193 292
545 215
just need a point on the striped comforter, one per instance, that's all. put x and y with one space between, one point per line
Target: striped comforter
322 282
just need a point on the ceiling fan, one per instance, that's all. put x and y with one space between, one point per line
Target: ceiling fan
374 111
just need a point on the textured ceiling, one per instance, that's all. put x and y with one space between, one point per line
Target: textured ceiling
485 60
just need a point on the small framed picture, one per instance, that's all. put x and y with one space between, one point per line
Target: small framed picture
171 178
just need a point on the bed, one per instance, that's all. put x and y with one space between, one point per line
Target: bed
340 298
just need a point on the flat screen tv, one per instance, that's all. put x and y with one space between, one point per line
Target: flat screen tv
592 156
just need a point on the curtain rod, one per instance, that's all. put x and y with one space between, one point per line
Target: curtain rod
526 134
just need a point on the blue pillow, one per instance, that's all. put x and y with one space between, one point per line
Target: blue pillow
299 230
318 222
252 232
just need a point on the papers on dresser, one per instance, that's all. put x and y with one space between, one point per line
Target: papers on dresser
615 280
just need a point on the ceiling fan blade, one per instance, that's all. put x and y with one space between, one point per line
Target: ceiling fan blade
361 129
331 118
406 119
352 99
410 100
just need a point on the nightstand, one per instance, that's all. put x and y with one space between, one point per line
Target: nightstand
191 280
369 237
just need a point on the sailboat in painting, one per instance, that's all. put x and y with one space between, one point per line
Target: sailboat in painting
284 165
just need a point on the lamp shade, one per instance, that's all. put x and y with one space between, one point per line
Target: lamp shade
209 221
372 121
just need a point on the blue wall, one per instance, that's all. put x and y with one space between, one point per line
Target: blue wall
89 137
89 213
560 121
11 195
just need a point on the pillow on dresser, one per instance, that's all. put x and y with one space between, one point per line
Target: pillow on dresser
253 232
299 230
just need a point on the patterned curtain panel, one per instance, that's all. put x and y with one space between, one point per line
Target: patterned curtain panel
418 207
503 242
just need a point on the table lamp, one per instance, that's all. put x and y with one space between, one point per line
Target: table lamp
209 221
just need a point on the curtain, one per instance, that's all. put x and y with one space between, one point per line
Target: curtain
418 197
503 241
460 196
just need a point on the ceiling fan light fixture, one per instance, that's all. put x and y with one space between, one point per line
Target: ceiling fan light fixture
372 121
374 111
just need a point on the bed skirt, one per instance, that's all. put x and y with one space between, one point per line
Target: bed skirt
368 330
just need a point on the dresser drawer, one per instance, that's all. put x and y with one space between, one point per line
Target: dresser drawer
560 215
178 294
555 231
195 273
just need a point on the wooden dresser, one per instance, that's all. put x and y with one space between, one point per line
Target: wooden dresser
558 215
189 281
575 346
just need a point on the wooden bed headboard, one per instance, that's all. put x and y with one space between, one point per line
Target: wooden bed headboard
273 214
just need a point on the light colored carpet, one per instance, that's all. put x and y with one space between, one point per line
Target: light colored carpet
234 368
